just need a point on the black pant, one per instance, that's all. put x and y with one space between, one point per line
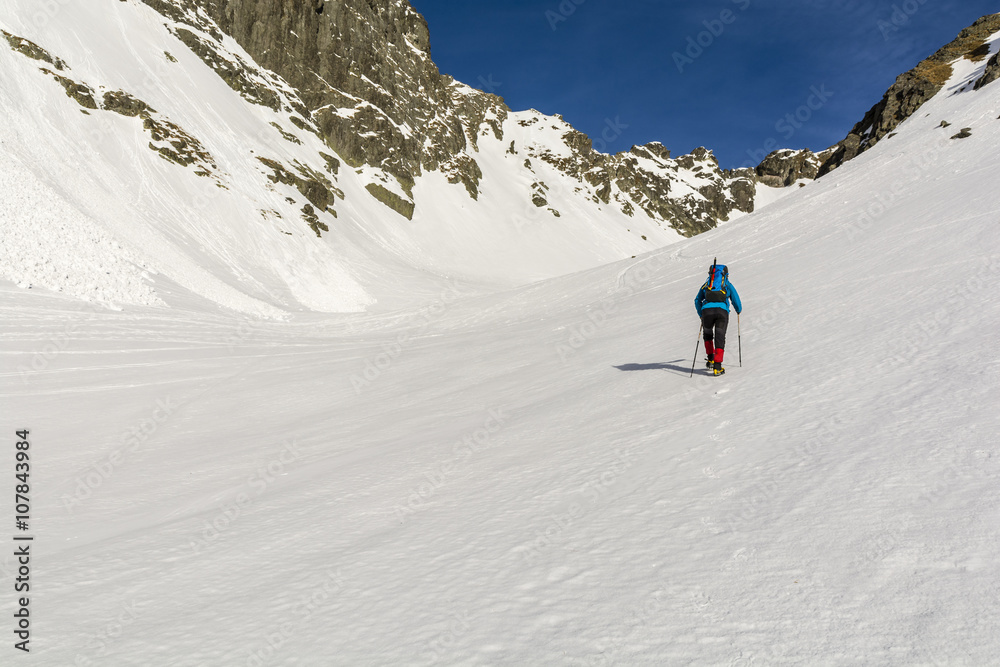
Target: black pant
714 322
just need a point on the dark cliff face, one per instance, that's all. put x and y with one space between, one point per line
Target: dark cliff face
992 72
363 71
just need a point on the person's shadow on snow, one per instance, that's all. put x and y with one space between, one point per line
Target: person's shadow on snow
661 366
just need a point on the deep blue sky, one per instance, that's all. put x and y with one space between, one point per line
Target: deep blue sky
601 61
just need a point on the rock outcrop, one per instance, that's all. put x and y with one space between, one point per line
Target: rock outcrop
168 139
992 72
786 167
361 71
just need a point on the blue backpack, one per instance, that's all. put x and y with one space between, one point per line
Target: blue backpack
717 286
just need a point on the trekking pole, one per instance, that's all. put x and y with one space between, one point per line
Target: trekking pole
695 362
739 338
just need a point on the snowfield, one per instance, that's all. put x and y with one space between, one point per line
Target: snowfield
531 476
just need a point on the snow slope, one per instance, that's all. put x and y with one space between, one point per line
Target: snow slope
531 477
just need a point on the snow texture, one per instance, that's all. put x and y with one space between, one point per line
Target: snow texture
527 476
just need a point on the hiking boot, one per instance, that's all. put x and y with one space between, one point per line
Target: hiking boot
718 369
709 363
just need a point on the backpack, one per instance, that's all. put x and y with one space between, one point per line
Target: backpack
717 286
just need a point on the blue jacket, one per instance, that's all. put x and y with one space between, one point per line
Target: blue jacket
700 303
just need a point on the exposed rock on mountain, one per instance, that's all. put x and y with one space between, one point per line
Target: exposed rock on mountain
651 179
912 89
168 139
362 76
314 186
81 92
785 167
359 74
992 72
32 50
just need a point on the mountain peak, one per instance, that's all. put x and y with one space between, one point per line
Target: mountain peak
304 149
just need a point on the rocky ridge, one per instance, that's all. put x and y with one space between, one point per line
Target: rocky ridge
911 89
785 167
363 72
359 74
907 94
